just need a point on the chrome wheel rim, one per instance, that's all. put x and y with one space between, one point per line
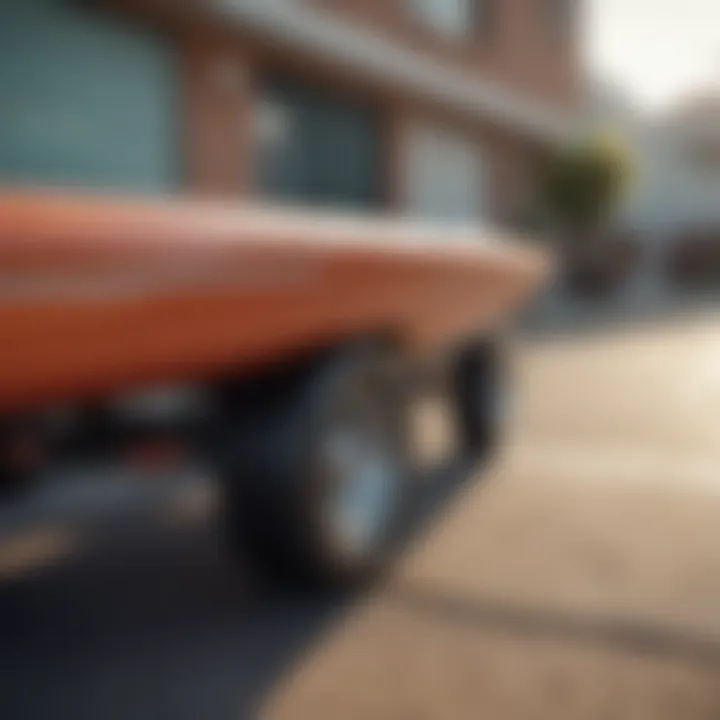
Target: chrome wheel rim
363 477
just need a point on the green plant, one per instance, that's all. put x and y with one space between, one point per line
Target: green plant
580 185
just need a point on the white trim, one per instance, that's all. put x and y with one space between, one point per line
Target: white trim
309 30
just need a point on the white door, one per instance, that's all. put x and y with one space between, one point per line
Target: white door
443 176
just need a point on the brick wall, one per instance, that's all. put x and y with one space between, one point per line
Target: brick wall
221 95
224 71
519 50
216 119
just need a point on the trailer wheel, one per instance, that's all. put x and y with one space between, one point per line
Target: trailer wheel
20 457
13 483
317 481
479 389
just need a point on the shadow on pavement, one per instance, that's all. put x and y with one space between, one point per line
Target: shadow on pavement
157 624
625 634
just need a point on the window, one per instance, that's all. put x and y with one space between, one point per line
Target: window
560 18
85 101
454 18
315 148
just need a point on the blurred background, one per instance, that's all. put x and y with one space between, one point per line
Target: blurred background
580 576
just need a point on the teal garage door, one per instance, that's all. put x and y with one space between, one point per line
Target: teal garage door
85 100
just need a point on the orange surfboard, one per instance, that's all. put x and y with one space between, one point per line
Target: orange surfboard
99 295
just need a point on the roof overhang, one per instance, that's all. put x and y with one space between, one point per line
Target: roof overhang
325 37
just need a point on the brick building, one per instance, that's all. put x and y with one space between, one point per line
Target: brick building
438 108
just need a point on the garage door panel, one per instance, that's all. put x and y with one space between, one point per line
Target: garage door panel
444 175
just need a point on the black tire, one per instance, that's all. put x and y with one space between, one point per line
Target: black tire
17 468
14 483
478 388
279 485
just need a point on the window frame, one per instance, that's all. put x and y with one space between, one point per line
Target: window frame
560 18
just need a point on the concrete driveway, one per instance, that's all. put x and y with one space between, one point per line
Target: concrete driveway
579 578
